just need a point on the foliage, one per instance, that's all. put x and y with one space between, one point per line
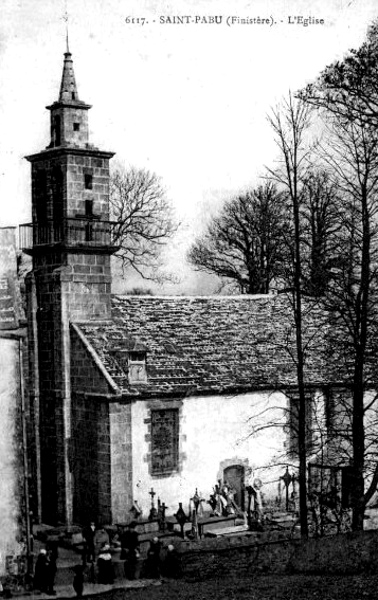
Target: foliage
349 88
139 291
244 243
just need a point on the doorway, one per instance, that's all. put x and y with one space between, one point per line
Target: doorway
234 477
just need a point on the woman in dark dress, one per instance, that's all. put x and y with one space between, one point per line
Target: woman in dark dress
105 565
40 580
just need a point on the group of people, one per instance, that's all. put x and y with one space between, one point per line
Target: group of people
130 550
153 566
128 540
97 552
96 544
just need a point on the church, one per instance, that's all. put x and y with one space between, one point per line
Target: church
132 394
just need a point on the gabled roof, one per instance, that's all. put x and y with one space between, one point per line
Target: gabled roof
194 345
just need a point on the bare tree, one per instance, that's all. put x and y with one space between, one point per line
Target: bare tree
244 243
144 220
346 93
290 123
320 222
352 297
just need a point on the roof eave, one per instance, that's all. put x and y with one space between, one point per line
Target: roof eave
97 360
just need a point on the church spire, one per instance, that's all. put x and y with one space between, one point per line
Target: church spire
69 118
68 90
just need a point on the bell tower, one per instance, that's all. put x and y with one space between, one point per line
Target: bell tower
70 240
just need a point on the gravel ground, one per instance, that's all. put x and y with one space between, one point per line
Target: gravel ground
285 587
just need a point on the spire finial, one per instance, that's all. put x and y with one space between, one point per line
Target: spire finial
65 18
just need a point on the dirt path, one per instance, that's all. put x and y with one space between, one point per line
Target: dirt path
285 587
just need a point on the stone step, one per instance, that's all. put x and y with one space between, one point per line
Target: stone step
227 531
65 572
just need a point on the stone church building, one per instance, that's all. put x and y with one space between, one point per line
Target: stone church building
138 392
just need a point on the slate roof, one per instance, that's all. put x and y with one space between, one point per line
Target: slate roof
194 345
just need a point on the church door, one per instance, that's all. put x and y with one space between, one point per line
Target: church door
234 477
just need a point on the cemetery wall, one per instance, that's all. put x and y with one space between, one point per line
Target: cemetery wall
354 552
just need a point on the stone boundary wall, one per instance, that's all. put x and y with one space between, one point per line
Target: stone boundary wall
247 555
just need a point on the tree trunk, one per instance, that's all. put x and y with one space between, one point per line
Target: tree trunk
358 438
302 411
358 433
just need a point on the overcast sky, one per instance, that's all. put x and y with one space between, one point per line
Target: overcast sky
188 101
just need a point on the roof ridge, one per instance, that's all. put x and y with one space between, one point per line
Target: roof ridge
190 297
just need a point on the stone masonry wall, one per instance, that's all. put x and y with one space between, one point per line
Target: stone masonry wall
77 167
102 442
71 264
250 554
90 446
73 192
11 471
67 119
241 555
51 390
121 461
88 283
90 460
85 375
353 552
45 198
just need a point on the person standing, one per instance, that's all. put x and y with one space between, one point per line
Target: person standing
101 537
52 556
130 550
41 572
153 559
89 542
171 564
